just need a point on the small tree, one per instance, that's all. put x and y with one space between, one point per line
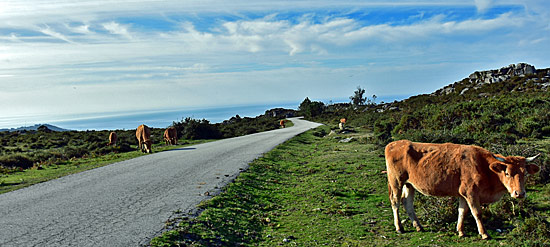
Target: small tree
311 108
357 99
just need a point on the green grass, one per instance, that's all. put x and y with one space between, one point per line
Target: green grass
316 191
17 180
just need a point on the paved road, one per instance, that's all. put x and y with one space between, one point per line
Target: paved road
127 203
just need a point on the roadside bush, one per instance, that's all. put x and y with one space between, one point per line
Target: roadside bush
197 129
74 152
16 161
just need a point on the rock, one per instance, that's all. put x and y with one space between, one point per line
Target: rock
479 78
346 140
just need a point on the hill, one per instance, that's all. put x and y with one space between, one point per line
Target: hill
36 127
503 106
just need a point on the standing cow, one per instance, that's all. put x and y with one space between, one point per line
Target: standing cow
112 139
143 134
471 173
342 123
171 136
282 123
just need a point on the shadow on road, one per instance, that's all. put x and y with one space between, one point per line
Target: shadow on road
181 149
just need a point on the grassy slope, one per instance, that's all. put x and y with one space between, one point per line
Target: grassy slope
314 191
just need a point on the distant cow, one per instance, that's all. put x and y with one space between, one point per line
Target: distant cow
112 139
342 123
171 136
282 123
471 173
143 134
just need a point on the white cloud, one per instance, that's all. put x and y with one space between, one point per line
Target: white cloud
483 5
50 32
82 29
118 29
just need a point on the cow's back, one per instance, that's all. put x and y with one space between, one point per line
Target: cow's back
172 132
143 133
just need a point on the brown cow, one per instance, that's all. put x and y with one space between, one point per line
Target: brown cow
112 139
143 134
471 173
282 123
171 136
342 123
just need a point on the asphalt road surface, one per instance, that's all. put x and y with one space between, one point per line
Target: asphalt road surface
128 203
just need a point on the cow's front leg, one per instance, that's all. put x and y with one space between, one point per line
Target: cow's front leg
476 212
462 211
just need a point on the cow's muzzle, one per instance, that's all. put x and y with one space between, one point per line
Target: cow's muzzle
518 194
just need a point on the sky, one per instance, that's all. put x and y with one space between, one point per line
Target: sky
63 58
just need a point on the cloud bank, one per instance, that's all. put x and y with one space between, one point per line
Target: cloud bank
104 56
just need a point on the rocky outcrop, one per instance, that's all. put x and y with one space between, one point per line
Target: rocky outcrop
502 74
479 78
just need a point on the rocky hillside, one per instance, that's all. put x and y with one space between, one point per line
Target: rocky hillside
524 76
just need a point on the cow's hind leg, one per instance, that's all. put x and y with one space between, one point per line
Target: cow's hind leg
462 211
395 190
408 203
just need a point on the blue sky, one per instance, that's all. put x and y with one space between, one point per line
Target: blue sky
94 57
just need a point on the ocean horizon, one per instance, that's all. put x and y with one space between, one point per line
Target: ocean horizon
154 118
164 118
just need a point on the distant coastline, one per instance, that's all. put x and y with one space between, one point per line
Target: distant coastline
158 118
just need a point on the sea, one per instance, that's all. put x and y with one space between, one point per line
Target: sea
157 118
163 118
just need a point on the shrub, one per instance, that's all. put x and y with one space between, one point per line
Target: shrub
74 152
197 129
382 132
16 161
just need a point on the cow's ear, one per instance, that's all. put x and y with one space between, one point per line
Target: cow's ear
532 169
497 167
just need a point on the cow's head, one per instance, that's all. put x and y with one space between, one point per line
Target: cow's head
148 146
512 172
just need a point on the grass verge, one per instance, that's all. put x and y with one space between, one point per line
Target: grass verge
315 190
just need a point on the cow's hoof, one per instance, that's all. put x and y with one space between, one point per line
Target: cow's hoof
460 234
485 237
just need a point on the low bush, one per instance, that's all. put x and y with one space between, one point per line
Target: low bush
16 161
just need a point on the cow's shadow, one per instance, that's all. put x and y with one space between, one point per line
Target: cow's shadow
181 149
